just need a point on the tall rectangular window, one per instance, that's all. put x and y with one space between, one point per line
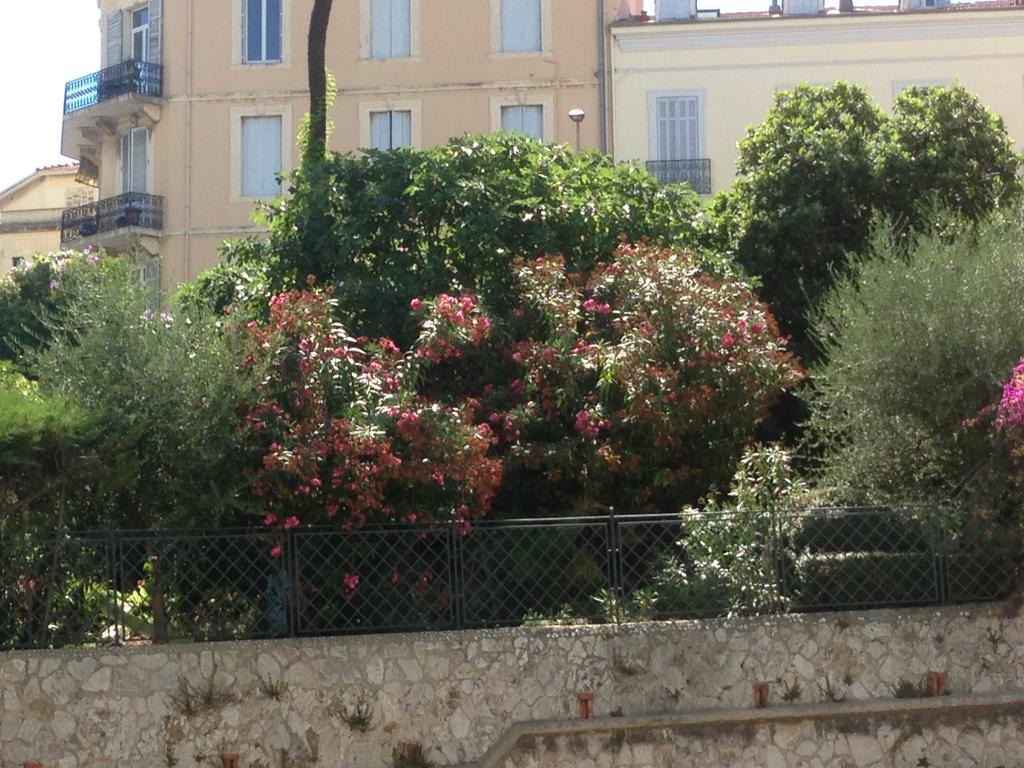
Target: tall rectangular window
520 25
262 31
390 130
528 119
135 161
261 156
678 127
390 29
140 34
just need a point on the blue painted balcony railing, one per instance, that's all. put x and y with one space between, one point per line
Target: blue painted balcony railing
138 77
697 173
132 209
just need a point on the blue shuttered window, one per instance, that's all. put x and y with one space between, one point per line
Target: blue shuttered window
261 31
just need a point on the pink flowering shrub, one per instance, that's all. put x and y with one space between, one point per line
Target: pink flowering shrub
1009 415
635 387
345 438
644 383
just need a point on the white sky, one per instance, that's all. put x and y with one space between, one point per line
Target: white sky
45 43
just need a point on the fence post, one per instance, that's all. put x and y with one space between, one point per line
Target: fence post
291 569
940 560
616 588
117 585
453 544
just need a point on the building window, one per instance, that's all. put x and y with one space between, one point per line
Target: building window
677 131
261 31
135 161
261 155
391 129
140 34
390 29
524 118
521 26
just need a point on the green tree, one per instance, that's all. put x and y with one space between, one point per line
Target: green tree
943 147
165 390
805 195
404 223
917 340
826 162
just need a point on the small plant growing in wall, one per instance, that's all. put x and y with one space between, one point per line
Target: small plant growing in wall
273 689
209 695
905 689
410 755
791 693
356 716
830 693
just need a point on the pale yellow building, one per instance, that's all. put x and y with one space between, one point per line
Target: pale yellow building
199 102
31 209
686 87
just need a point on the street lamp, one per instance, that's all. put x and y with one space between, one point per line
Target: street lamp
577 115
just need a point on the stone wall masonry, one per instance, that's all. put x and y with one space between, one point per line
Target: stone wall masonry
291 703
976 731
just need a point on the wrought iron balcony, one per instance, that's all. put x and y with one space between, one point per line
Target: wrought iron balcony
696 173
129 77
133 209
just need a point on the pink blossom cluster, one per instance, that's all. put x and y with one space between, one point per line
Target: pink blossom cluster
1010 411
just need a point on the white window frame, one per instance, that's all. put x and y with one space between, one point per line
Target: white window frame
545 31
366 32
149 161
415 108
283 111
238 52
652 121
525 99
144 29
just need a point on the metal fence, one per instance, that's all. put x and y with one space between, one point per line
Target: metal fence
140 78
165 586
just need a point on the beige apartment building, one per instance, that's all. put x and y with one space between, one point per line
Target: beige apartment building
198 104
687 85
30 212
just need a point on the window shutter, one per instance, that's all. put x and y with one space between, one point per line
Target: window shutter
115 38
673 9
261 156
520 25
678 128
140 160
527 119
401 29
380 130
273 52
380 39
401 129
126 163
253 35
156 20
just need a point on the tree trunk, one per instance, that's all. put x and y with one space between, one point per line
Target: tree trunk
317 59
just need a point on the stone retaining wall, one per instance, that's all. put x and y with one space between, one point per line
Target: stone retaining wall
295 702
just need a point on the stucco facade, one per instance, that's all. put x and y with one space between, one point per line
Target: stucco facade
232 95
730 69
30 212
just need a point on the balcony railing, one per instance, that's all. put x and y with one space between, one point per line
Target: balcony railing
133 209
128 77
696 173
